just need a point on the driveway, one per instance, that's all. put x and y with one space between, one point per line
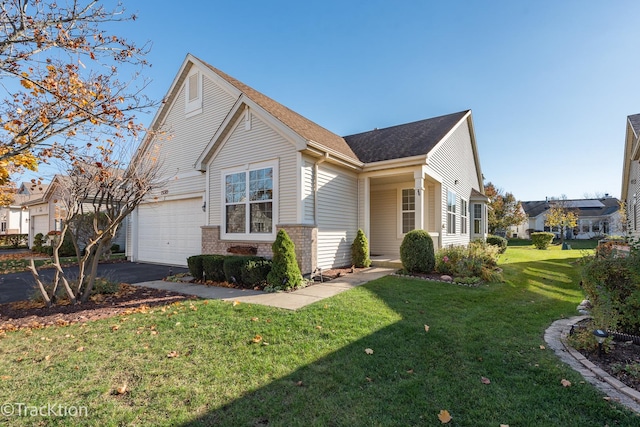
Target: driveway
19 286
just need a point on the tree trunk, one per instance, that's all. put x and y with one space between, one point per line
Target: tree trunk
36 276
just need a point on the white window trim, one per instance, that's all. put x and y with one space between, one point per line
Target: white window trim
455 213
464 216
400 234
477 218
247 236
193 107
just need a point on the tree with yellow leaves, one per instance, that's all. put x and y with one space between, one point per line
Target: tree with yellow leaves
60 70
562 216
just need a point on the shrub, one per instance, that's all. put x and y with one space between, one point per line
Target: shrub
67 248
212 266
115 248
478 259
104 286
38 242
498 241
285 273
416 252
612 285
255 271
542 239
195 264
232 267
360 250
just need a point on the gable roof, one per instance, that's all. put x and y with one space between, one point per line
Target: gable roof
299 124
407 140
634 120
583 207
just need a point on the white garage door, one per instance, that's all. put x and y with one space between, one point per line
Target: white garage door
39 224
169 232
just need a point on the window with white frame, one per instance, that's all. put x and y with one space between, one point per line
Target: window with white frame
249 202
464 216
477 218
451 212
408 210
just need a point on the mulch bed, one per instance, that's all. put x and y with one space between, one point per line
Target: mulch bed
34 315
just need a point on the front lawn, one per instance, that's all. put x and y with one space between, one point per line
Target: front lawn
364 357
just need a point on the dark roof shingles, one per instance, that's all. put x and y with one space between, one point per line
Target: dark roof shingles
407 140
635 123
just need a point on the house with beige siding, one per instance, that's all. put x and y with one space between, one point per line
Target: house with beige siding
240 166
631 175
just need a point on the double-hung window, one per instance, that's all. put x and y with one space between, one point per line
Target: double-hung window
464 216
408 210
451 212
248 202
477 218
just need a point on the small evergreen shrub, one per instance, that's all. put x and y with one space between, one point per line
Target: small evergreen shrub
115 248
232 267
417 253
498 241
360 250
195 264
542 239
285 273
255 271
212 266
38 242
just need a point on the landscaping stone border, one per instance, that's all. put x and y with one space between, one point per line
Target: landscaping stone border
556 338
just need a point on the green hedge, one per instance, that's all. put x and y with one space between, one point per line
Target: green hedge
542 239
245 271
417 253
498 241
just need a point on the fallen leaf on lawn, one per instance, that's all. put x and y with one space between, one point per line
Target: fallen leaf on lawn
607 398
5 377
368 351
369 379
236 303
47 357
504 425
257 338
172 354
410 371
177 323
254 319
80 349
122 389
193 307
299 383
542 347
485 380
426 328
318 327
154 332
205 302
565 383
115 327
265 343
444 416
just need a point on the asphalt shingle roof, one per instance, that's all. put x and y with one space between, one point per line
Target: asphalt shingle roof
635 123
606 206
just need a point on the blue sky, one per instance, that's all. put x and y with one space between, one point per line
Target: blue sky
550 83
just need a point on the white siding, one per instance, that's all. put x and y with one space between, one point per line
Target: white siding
337 216
308 202
258 144
186 138
454 160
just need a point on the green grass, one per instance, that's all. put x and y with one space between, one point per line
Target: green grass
575 244
314 370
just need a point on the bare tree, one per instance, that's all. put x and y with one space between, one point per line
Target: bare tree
97 195
64 79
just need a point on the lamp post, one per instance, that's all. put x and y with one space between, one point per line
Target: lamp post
600 337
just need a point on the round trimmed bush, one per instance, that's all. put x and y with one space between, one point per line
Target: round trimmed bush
498 241
416 252
542 239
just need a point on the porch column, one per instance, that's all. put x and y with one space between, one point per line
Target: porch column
419 194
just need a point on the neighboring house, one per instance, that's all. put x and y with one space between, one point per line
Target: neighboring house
14 219
241 166
47 211
596 217
631 175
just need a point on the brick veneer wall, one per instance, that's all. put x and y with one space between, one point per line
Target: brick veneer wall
304 237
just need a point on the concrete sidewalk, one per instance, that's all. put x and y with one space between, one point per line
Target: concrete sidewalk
289 300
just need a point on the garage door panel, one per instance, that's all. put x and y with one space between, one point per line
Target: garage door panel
169 232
